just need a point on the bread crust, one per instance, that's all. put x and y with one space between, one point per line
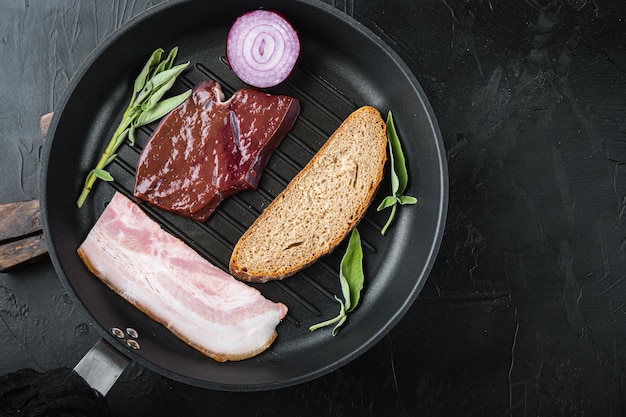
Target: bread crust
240 271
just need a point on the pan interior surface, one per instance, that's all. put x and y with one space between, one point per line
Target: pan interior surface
342 66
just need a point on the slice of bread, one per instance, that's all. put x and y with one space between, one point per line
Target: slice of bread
320 206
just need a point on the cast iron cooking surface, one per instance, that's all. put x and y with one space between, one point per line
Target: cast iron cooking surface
342 66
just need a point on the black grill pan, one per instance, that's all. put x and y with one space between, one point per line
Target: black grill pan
342 66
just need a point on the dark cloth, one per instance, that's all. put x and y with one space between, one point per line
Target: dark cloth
56 393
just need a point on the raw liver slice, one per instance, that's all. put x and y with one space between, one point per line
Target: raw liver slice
208 149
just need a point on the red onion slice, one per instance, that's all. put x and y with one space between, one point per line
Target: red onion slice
262 48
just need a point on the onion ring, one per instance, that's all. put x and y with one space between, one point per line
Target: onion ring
262 48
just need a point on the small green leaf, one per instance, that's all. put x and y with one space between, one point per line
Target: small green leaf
168 62
351 270
119 139
131 135
157 94
387 202
395 181
153 61
162 108
170 58
407 199
164 76
345 289
399 163
156 82
110 159
102 174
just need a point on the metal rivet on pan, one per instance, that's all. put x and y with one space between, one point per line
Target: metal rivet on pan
132 344
117 332
132 333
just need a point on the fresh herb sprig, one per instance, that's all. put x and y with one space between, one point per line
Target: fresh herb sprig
155 79
351 274
399 175
351 278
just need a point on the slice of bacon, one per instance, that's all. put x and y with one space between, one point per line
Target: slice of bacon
166 279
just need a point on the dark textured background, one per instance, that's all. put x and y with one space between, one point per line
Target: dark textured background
524 313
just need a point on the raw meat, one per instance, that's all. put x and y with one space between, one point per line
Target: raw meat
159 274
208 149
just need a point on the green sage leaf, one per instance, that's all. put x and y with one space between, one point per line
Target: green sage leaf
102 174
387 202
351 270
156 82
407 199
345 290
110 159
395 181
162 108
157 94
119 139
168 62
131 135
152 62
164 76
399 162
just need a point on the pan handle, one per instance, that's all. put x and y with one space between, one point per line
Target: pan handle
102 366
21 238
